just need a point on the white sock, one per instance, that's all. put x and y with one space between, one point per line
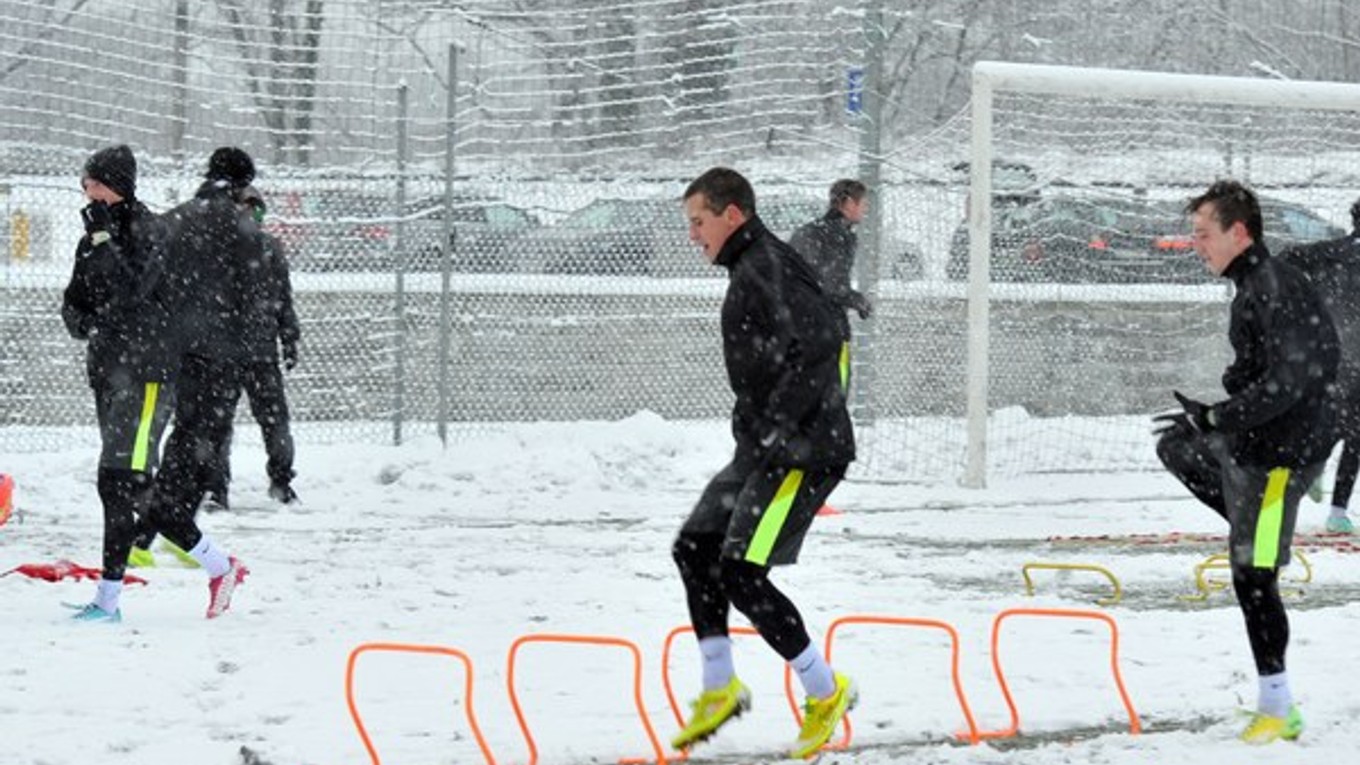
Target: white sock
106 594
212 558
1338 512
814 673
718 669
1275 699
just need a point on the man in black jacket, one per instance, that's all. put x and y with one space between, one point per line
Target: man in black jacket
829 244
217 257
271 323
123 304
782 342
1334 268
1252 456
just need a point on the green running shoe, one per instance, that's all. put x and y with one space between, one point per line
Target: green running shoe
821 716
140 558
93 613
711 711
1265 729
183 557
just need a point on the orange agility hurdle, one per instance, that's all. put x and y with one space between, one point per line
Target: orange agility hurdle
1134 726
666 674
973 735
408 648
586 640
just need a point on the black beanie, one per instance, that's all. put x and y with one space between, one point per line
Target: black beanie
116 168
232 165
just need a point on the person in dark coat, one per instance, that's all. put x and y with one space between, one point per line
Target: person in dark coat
829 244
271 325
122 303
1253 455
218 262
782 342
1334 268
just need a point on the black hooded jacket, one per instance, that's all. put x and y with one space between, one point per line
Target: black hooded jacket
1333 266
828 245
782 344
1280 410
123 303
271 319
218 260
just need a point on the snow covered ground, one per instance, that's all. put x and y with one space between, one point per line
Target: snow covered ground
566 529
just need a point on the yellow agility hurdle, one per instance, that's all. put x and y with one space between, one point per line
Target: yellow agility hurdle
1204 586
1109 601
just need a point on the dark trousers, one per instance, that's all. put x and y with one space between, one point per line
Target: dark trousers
747 520
1346 469
131 421
1260 505
203 410
262 382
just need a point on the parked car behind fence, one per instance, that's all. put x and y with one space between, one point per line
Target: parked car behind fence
1078 239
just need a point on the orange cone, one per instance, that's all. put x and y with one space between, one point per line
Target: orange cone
6 497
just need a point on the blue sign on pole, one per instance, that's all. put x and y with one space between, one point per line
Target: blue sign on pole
854 90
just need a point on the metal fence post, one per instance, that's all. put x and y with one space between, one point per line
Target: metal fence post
399 259
447 248
870 174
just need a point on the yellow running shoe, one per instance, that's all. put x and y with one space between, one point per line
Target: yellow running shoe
821 716
140 558
711 710
185 559
1265 729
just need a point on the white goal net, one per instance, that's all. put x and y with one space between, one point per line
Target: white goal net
1087 305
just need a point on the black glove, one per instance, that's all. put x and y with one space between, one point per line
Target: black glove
98 220
861 304
290 355
1196 415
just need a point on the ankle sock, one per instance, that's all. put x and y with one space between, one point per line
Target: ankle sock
1275 699
717 656
212 558
818 680
107 594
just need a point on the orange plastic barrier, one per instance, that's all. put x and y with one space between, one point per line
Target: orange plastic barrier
409 648
973 735
1135 726
586 640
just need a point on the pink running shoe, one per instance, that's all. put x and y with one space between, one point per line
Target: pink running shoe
220 588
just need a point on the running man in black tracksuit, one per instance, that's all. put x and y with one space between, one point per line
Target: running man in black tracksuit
1252 456
1334 268
216 253
121 301
270 323
782 342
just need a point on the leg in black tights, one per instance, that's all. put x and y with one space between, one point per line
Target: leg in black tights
1258 595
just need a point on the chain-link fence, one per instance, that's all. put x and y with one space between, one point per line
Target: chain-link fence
481 209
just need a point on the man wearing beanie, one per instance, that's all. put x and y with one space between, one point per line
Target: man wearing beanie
271 324
217 257
121 302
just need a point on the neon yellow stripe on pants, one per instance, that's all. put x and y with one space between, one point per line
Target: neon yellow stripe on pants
772 522
845 365
1266 547
142 446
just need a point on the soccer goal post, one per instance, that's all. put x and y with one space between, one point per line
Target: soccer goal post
1085 303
